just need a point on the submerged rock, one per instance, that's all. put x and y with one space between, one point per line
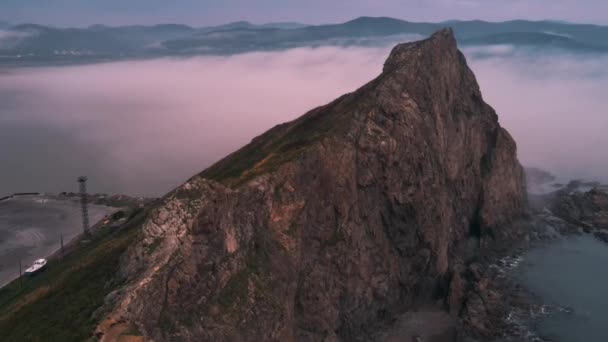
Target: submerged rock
340 222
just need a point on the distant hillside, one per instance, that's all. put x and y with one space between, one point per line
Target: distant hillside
248 25
535 39
285 25
30 43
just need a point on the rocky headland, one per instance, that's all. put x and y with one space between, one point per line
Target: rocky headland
348 224
394 213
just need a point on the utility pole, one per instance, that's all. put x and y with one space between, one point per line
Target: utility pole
20 277
84 206
62 251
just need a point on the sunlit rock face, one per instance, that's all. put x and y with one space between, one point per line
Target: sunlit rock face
326 226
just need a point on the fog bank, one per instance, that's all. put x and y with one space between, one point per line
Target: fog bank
556 109
144 127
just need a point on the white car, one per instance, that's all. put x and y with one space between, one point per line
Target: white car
36 267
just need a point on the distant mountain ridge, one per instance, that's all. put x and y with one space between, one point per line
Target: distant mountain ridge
31 43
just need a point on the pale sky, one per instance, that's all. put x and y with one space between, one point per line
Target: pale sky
212 12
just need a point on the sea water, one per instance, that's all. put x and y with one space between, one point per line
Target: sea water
570 273
31 228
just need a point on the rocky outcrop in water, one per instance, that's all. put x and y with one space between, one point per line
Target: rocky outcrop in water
588 210
333 225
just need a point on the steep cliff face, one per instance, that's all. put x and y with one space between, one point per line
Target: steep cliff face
327 225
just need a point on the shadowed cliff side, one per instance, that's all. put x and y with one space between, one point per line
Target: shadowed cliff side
326 226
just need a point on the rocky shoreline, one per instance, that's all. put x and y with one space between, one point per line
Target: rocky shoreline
116 201
504 309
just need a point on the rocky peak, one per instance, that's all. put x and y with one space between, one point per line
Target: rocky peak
435 62
327 226
441 46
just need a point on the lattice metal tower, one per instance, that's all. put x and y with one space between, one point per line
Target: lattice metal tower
84 205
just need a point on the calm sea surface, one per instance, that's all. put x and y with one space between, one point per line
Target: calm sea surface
571 273
31 227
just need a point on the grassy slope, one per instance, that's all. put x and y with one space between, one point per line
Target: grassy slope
58 304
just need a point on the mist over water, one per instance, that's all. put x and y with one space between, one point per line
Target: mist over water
555 108
144 127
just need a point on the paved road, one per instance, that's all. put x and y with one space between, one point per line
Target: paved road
30 228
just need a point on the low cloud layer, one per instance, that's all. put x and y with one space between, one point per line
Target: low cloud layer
556 109
10 38
144 127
